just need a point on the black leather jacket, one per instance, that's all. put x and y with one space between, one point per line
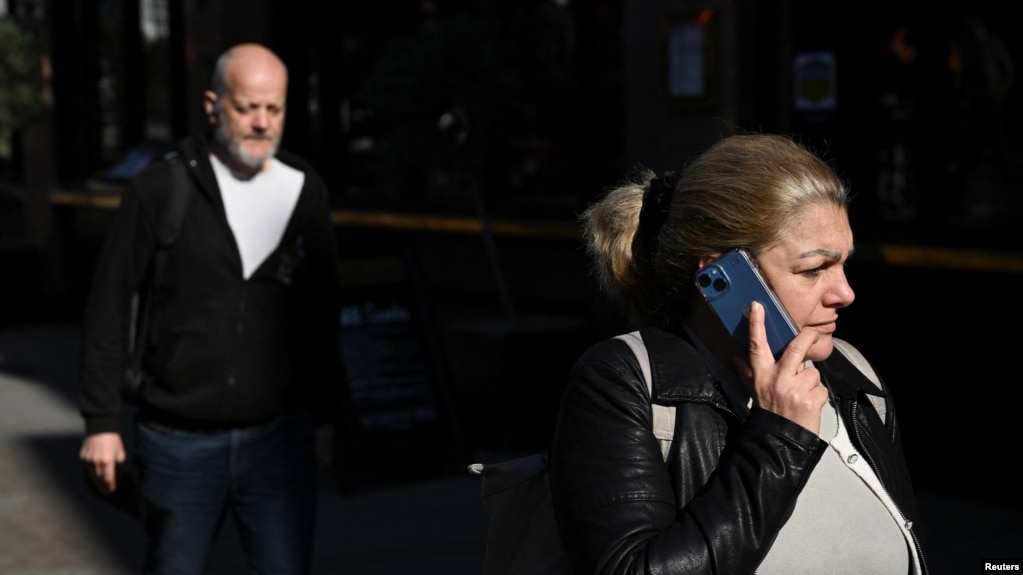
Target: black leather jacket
729 482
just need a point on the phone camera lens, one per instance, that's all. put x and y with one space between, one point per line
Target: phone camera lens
704 280
720 284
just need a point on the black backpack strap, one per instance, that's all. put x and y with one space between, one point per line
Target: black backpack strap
170 218
174 212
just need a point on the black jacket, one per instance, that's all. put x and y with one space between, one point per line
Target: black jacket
223 351
728 484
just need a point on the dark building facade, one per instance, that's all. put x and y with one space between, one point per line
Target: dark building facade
551 100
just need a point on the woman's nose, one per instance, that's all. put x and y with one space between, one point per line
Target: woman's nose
841 293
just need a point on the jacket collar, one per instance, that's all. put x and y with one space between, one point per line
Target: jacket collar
848 385
195 150
679 373
677 370
844 379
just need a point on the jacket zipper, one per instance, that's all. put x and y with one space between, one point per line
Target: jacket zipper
881 480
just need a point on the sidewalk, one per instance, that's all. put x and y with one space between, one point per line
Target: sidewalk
437 526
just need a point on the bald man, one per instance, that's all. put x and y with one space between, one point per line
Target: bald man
241 376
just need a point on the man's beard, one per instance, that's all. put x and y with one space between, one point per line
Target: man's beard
234 147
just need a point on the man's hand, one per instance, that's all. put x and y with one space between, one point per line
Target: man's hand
786 387
100 454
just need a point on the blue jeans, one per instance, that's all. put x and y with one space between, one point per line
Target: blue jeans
264 476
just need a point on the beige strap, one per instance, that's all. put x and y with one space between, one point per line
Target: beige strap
663 415
861 363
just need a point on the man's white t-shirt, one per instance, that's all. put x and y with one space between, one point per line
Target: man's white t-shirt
258 208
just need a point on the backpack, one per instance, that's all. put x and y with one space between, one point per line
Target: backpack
523 538
171 216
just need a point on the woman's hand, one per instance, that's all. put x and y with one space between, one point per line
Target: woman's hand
786 387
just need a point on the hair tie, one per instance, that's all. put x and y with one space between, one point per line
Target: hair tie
656 206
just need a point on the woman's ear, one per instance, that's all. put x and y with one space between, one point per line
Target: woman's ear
705 260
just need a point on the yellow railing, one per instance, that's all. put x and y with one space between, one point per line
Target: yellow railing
895 255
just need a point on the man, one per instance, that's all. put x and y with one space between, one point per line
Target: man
241 361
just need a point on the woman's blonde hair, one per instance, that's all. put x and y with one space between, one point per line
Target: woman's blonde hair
739 193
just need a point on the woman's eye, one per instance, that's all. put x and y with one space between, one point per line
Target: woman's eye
812 273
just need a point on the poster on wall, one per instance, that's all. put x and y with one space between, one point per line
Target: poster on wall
691 49
686 72
815 75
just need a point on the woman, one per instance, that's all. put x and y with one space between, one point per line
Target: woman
787 466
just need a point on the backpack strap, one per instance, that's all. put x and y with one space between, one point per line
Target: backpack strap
170 217
856 358
663 415
174 212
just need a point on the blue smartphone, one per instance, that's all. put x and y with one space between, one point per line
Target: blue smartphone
729 284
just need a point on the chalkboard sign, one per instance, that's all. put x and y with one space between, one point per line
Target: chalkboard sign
396 399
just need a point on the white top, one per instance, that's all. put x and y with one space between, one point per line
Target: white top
843 521
258 208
